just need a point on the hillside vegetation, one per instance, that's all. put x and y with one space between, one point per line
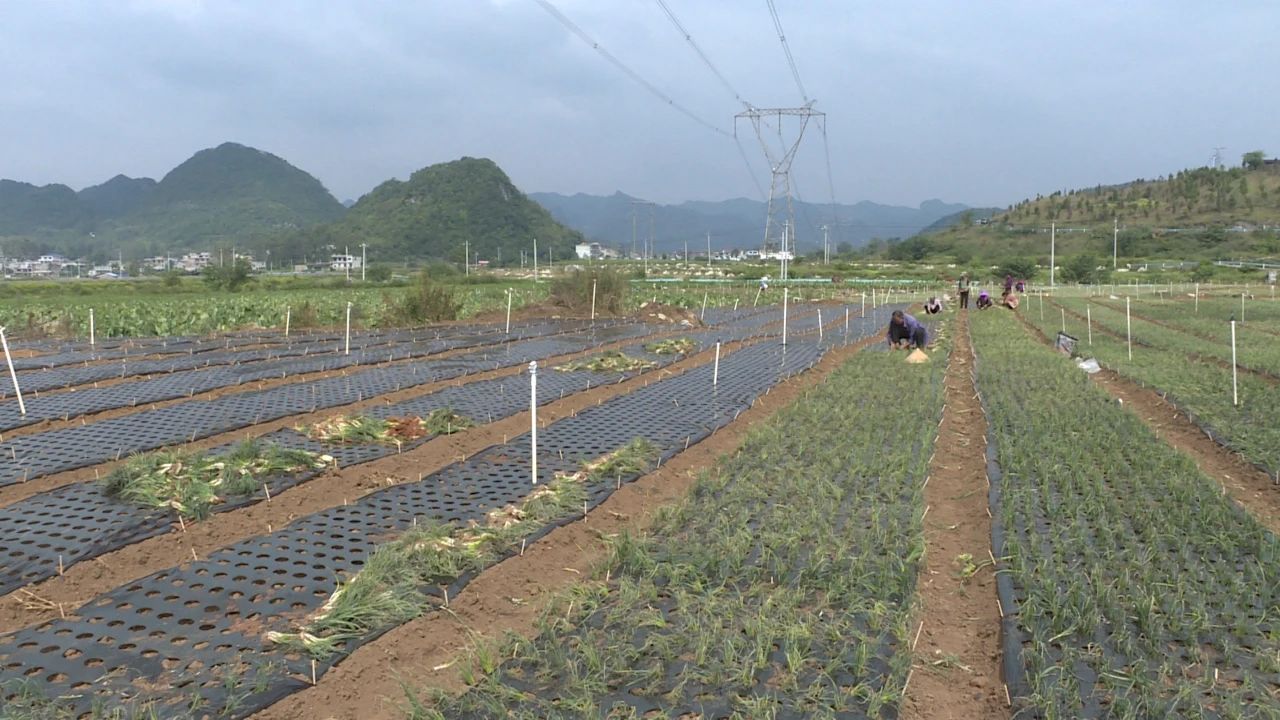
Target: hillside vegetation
1202 213
436 212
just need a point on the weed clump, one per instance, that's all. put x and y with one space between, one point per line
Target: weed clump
673 346
573 291
612 361
428 301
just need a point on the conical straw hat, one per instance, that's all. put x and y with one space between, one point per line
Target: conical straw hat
917 356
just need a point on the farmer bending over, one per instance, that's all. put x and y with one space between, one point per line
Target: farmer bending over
905 331
933 306
984 300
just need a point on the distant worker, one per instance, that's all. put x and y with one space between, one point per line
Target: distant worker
1010 301
905 331
984 300
1022 286
962 287
1008 284
933 306
764 283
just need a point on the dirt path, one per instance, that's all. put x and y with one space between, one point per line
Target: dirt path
956 665
510 597
1251 488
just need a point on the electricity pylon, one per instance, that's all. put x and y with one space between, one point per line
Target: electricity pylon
780 214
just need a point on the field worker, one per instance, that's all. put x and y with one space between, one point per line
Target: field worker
764 283
1010 301
984 300
1008 284
962 287
905 331
933 306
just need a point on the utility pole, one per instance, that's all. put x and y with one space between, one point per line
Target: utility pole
708 250
363 263
346 261
826 244
686 252
1115 240
633 230
466 257
1053 238
535 259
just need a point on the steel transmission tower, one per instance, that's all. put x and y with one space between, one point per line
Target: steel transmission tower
779 151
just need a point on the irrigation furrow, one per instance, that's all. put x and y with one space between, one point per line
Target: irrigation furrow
956 669
239 592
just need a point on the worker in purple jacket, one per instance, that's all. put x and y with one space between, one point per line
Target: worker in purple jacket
905 331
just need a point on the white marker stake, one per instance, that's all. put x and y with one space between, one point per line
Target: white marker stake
1241 307
1041 306
288 315
819 325
1235 388
1197 298
533 418
348 344
509 294
704 307
846 323
715 372
1128 326
864 304
735 304
93 340
1088 319
593 300
22 407
784 316
1064 320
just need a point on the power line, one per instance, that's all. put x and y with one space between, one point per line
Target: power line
569 24
795 72
706 60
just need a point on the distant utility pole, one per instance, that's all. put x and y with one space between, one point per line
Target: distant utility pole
1053 242
1115 240
535 259
466 257
708 250
363 263
826 245
1217 157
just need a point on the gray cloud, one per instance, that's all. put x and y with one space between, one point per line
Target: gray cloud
976 102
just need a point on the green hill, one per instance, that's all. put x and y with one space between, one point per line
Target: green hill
1201 213
117 197
222 195
437 210
26 209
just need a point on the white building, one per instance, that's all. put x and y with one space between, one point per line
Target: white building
340 263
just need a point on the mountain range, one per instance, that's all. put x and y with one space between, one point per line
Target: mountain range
736 223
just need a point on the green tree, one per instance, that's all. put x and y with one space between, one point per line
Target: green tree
231 277
1082 269
378 273
1253 160
1203 272
1024 268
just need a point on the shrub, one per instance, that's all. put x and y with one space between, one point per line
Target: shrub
574 291
428 301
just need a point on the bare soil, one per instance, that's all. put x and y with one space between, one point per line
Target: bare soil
955 670
428 653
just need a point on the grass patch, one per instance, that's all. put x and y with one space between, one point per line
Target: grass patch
673 346
192 483
612 361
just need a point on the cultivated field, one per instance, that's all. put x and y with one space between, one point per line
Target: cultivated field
712 522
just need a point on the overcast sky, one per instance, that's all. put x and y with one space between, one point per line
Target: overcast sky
976 102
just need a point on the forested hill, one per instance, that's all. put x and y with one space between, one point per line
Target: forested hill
1196 213
220 196
440 209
